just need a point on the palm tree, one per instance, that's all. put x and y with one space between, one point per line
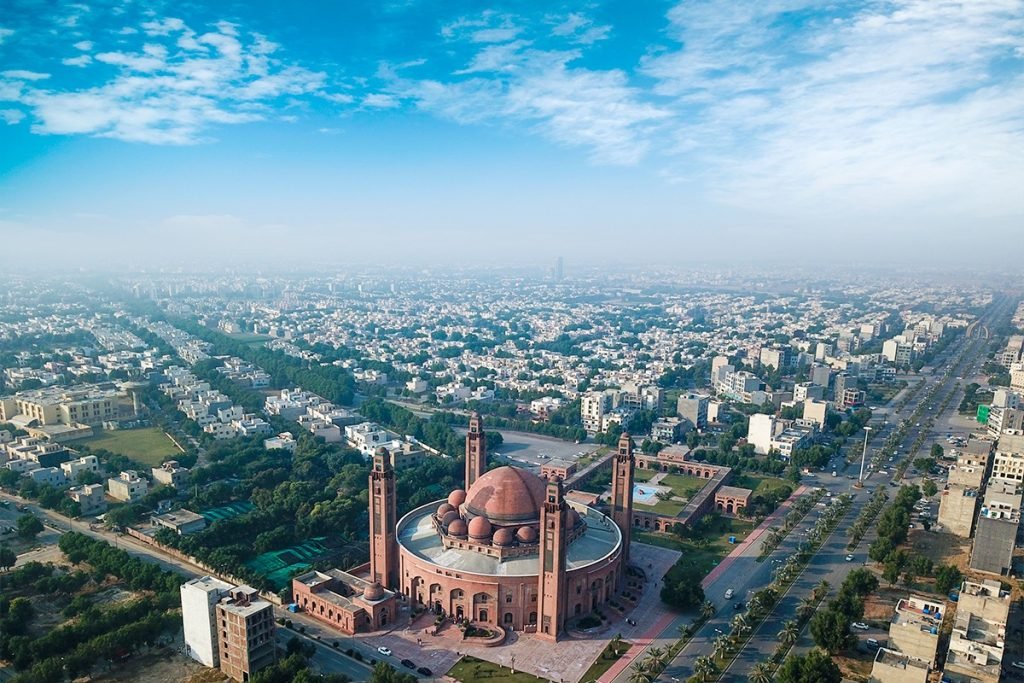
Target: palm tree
655 659
640 673
738 623
760 673
807 606
616 643
721 644
789 633
822 589
704 667
708 609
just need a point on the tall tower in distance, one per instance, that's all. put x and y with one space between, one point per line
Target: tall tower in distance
552 588
559 269
383 544
476 450
623 465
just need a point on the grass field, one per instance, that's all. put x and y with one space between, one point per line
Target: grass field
148 446
470 670
604 662
684 485
707 550
759 483
249 338
644 475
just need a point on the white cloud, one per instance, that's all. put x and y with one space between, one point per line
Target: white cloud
171 89
11 116
81 60
573 106
5 33
380 101
907 104
23 75
83 45
580 29
488 27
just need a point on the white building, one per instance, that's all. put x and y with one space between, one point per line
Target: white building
73 468
128 486
199 598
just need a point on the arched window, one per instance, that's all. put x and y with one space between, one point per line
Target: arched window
508 617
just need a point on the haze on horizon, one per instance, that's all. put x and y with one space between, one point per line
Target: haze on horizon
417 132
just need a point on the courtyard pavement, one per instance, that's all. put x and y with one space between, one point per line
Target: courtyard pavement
565 661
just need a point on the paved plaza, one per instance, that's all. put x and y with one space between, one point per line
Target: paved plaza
566 660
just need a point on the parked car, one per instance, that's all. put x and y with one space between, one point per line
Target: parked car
408 664
424 671
384 651
860 626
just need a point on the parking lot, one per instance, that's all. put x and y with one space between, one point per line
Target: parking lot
533 450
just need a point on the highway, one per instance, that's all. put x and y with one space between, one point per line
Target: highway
745 576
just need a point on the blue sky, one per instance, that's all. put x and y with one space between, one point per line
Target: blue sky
142 132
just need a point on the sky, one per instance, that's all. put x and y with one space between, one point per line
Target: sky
413 131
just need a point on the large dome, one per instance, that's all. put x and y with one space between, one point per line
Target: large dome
506 495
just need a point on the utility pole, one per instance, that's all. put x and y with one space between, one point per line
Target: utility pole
863 457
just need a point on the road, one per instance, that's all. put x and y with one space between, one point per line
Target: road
746 576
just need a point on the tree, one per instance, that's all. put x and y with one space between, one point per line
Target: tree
385 673
760 673
681 588
7 557
704 667
641 673
814 667
29 527
937 451
947 577
830 629
929 488
707 609
789 633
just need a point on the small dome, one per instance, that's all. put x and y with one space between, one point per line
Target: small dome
456 498
457 528
373 592
449 517
503 537
527 534
443 509
479 528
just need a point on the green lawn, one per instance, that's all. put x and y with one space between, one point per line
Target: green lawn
759 483
470 669
644 475
684 485
148 446
708 549
249 337
604 662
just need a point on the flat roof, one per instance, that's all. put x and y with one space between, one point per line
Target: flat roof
417 535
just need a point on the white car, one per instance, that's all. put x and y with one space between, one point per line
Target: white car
384 651
860 626
849 558
728 594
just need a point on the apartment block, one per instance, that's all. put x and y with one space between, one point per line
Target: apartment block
957 507
127 487
245 633
171 474
895 667
73 468
914 628
978 638
1008 461
694 409
199 598
998 527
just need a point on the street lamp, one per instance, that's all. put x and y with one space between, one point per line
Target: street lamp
863 457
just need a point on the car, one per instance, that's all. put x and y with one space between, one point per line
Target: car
424 671
738 606
408 664
384 651
834 473
872 644
860 626
849 558
729 593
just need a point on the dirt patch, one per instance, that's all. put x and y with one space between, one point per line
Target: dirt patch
856 666
941 548
880 605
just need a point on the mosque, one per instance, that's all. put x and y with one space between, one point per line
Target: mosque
508 549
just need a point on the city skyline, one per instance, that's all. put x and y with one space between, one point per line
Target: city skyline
410 131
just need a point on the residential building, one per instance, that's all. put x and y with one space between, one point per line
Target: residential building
1008 461
998 527
978 637
768 433
89 497
245 633
593 407
542 408
898 351
182 522
199 598
804 391
694 409
957 507
367 437
283 441
666 430
127 487
821 375
73 468
171 474
49 476
914 628
742 386
891 666
1014 351
815 411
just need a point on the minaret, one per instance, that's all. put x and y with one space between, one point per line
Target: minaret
476 450
552 584
623 465
383 545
